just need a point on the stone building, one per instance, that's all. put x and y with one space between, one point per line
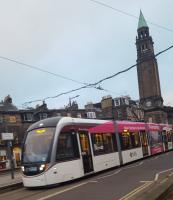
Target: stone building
13 120
10 121
151 100
119 108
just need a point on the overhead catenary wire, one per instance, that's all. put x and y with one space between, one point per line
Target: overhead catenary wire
40 69
50 73
100 81
128 14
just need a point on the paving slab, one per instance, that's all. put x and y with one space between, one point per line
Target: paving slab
6 180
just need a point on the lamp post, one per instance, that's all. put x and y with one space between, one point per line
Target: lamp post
117 134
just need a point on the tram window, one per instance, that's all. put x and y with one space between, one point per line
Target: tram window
67 148
155 138
169 136
97 141
135 139
165 136
125 140
109 142
144 139
129 140
103 143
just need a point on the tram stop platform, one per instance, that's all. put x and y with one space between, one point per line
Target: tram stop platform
6 182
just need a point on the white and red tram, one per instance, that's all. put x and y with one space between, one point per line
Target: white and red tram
59 149
167 136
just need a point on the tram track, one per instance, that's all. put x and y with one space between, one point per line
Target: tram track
146 174
20 194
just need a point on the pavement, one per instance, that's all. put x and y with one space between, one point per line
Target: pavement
154 190
6 181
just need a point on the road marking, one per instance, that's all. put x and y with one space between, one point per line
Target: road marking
163 181
170 174
135 191
62 191
155 158
106 176
157 175
94 181
133 165
146 181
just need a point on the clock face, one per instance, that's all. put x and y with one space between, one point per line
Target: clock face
148 103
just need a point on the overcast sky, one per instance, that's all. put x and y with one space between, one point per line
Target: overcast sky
81 40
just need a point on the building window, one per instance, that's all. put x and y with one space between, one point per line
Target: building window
12 119
42 116
27 117
119 114
68 114
58 114
126 101
1 119
79 115
91 115
2 142
117 102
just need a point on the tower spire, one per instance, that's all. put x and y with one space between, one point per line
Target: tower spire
142 22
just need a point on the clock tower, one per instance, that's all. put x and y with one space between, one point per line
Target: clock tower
151 99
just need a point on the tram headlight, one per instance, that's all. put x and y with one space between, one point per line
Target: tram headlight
42 167
23 168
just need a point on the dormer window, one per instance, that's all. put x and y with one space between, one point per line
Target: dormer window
27 117
42 116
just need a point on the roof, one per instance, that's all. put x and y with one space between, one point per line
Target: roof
7 107
142 22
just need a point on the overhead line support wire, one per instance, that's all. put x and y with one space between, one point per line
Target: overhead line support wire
130 15
39 69
104 79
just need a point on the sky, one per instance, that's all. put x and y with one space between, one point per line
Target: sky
81 40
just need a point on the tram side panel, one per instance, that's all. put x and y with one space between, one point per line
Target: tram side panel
167 136
64 171
68 163
130 146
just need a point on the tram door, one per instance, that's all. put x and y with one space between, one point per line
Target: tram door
86 151
165 139
144 141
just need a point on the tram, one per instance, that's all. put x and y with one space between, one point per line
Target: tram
60 149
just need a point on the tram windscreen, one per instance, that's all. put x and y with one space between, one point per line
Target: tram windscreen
37 145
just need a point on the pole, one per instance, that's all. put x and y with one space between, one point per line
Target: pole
69 101
117 137
9 145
